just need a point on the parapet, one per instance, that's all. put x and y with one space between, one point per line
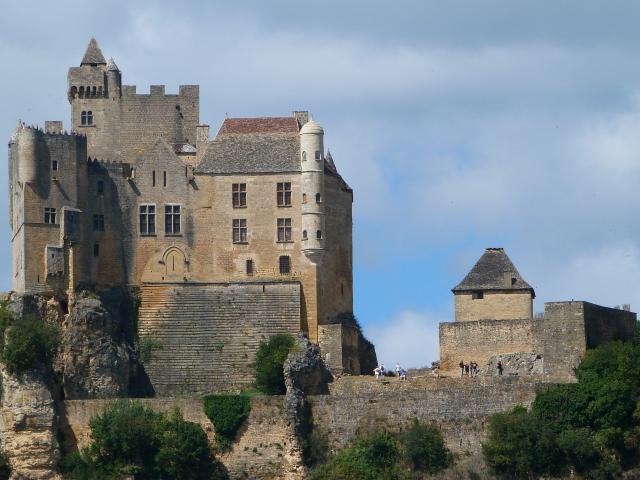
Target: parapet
191 91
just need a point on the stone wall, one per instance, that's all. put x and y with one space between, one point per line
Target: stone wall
480 340
209 333
572 327
494 305
258 452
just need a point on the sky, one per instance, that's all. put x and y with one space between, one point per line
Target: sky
460 125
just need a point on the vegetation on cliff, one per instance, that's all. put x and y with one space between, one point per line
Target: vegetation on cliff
131 439
591 427
381 455
5 468
269 363
25 342
227 413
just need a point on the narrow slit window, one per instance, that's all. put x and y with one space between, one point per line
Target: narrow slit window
54 165
318 156
100 187
318 198
164 179
304 234
96 249
319 234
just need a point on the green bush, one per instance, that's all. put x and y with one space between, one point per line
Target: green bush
29 342
5 468
592 426
424 449
370 458
146 347
227 413
130 439
269 361
381 455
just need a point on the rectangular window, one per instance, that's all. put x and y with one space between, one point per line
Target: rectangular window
284 230
285 265
147 219
54 165
164 179
239 230
172 219
239 195
96 249
477 295
98 223
249 267
284 194
100 187
50 215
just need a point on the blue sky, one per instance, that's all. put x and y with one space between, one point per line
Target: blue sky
459 125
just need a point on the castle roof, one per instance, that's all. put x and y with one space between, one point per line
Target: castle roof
111 65
93 55
253 145
493 271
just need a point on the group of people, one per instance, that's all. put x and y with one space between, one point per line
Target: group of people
469 369
380 371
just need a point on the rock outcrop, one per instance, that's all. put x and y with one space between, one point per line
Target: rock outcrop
95 361
305 373
520 363
28 426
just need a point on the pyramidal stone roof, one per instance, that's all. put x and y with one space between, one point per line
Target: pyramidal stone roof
493 271
93 55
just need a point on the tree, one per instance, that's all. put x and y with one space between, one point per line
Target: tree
269 362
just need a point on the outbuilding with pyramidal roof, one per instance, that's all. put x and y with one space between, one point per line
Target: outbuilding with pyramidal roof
493 290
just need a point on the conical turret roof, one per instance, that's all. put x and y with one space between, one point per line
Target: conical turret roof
493 271
111 65
93 55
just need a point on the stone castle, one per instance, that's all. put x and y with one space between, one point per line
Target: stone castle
222 243
230 240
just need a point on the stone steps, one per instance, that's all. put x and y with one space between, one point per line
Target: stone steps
210 332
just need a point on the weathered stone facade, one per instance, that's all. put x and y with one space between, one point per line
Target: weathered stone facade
138 195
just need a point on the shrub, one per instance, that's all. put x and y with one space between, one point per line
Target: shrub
29 342
146 347
5 468
369 458
269 361
424 449
130 439
227 413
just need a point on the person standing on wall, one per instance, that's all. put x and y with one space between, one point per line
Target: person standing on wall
461 365
500 367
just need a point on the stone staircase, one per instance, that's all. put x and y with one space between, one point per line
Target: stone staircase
209 333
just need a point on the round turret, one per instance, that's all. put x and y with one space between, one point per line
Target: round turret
26 140
312 179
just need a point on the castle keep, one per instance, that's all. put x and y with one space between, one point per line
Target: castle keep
230 240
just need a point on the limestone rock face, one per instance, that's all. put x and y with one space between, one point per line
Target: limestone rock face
305 370
95 362
28 426
520 363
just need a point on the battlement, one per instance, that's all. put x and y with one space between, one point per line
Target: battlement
160 91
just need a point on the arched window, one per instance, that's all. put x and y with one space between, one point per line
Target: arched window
304 198
304 156
81 93
89 117
100 91
318 156
319 235
95 91
318 198
304 234
74 92
83 115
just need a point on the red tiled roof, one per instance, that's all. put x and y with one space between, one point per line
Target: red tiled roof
259 125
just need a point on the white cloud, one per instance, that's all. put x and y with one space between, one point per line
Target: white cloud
410 338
